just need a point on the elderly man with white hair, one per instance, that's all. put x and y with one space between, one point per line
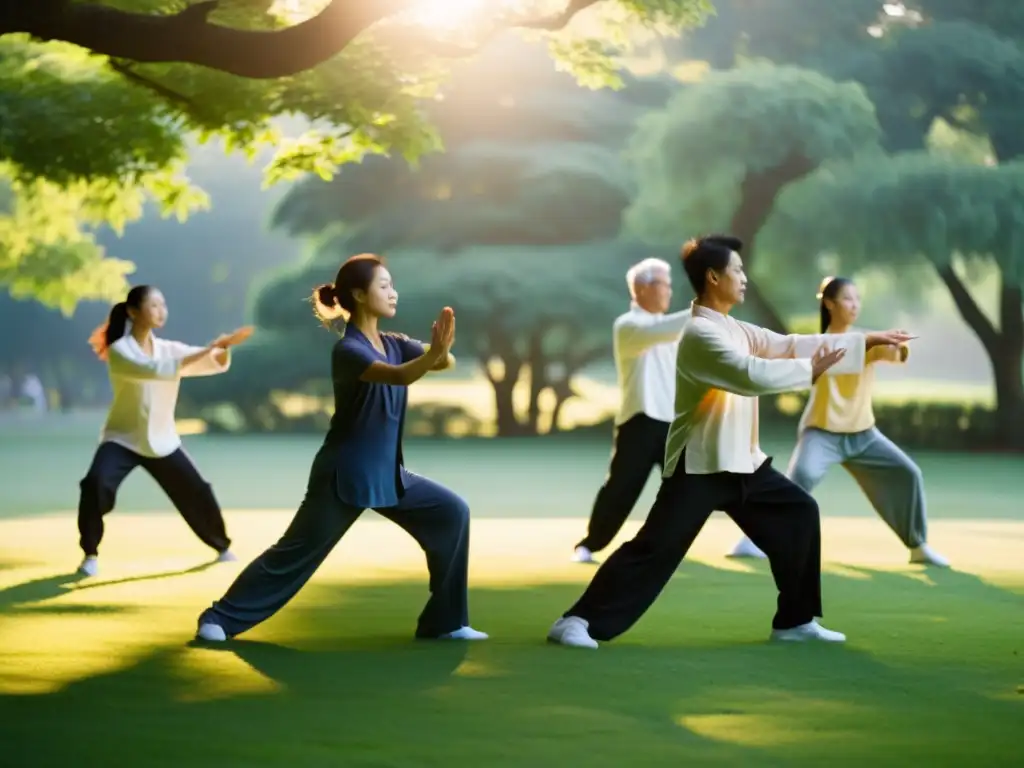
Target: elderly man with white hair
645 340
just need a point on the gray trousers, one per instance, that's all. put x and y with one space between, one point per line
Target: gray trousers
889 478
433 515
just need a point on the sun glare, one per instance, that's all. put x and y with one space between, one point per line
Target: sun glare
452 14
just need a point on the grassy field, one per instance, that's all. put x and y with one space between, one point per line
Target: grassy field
101 671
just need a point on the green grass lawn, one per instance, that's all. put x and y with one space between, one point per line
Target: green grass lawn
101 672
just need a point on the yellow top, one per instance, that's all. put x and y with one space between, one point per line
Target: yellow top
842 402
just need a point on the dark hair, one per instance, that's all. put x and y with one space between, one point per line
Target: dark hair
336 301
117 321
829 289
708 252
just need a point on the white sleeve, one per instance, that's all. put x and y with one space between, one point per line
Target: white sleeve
636 333
123 360
774 346
705 355
211 364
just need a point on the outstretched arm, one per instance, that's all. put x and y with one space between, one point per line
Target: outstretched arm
774 346
889 353
214 361
707 356
636 333
124 361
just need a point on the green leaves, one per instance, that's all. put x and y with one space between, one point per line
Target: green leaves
47 249
692 158
102 138
906 207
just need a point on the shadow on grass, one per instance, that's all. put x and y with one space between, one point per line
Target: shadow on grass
28 594
342 684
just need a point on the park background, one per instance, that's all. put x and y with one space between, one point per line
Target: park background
880 141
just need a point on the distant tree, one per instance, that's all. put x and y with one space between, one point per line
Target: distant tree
915 209
721 151
516 226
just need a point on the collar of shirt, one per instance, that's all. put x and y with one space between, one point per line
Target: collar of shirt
699 310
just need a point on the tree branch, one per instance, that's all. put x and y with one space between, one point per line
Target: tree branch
161 90
188 37
556 21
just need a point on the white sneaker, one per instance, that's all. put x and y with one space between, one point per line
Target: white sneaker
583 555
227 556
465 633
89 566
746 548
213 633
925 555
572 631
812 630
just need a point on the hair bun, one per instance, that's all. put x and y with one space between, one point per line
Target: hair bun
326 294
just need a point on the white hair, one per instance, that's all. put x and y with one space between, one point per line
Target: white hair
646 271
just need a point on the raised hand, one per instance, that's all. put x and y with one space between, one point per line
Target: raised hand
886 338
824 359
234 338
442 334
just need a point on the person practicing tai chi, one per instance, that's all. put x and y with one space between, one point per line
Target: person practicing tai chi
644 341
360 466
838 427
145 373
713 460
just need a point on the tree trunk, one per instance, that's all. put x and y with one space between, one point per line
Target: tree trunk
564 391
499 343
1005 349
538 375
757 199
1007 366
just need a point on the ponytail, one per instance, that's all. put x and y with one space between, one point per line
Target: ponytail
113 329
826 317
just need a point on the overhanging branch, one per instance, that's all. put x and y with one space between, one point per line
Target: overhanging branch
161 90
188 37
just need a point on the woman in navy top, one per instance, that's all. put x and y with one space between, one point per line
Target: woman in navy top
360 466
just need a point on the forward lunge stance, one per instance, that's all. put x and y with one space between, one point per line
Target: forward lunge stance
714 461
145 374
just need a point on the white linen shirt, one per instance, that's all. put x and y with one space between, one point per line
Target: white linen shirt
645 345
141 415
722 367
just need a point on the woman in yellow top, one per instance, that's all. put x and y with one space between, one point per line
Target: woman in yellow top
838 427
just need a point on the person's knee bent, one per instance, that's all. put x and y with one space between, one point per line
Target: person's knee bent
458 512
915 478
97 491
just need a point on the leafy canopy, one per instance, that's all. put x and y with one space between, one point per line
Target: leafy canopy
87 139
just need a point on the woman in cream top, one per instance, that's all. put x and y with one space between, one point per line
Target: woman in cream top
838 427
145 374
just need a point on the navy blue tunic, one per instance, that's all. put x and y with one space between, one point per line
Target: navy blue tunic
363 446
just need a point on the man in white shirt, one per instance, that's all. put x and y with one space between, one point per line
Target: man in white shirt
644 341
713 460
